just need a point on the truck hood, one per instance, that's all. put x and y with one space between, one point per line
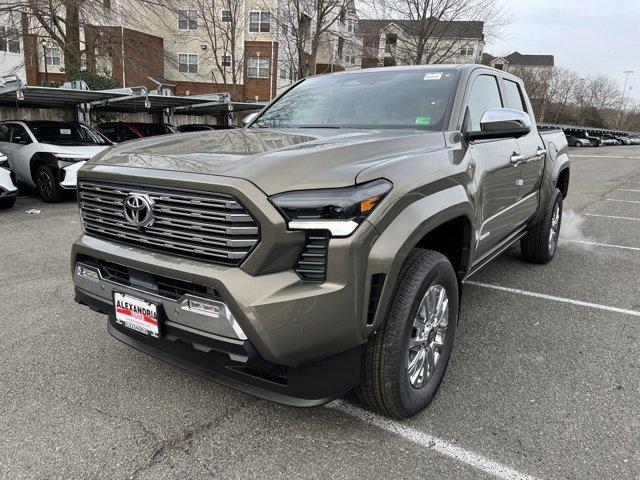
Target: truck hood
275 160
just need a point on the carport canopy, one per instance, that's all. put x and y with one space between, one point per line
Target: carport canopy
14 94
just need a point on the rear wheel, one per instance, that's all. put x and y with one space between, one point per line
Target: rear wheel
405 361
578 144
541 243
47 185
7 202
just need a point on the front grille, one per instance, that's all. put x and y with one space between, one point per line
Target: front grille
312 264
166 287
213 227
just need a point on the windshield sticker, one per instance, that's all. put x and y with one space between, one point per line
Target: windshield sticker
423 121
433 76
65 131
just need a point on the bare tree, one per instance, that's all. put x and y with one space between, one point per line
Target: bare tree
304 27
435 30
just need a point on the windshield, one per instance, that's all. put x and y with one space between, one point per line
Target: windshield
153 129
66 133
377 99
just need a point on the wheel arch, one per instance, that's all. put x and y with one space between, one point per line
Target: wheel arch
442 222
38 159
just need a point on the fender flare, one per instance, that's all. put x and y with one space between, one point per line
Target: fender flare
41 158
396 242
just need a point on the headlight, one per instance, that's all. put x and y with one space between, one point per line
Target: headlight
65 159
338 210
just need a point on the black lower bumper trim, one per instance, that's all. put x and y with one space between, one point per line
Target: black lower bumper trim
306 386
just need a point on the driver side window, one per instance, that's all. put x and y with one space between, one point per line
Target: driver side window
20 135
485 94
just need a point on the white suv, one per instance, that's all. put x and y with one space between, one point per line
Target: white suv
8 190
47 154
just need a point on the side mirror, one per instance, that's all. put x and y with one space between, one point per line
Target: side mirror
249 118
502 123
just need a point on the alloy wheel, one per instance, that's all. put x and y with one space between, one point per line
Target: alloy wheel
428 336
44 184
554 231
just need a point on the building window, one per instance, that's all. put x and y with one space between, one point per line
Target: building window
258 67
259 22
106 4
465 51
340 47
225 16
9 40
187 19
285 30
188 63
52 57
226 60
351 26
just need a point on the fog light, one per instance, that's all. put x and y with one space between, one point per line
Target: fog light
213 309
88 273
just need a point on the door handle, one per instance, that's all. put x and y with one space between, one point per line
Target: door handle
516 159
541 151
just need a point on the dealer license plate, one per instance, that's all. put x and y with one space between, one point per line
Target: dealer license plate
137 314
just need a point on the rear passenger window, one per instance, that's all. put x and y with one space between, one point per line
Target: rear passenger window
513 95
484 95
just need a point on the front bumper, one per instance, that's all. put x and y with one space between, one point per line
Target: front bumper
69 174
236 364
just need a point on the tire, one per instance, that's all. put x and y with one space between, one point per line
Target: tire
385 385
7 202
539 246
47 185
578 144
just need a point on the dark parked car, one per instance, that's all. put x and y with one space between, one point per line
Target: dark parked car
123 131
623 140
202 127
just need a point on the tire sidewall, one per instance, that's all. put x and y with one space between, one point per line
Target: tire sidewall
54 191
414 400
557 200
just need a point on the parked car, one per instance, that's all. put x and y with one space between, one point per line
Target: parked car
623 140
323 247
589 139
47 154
200 127
609 140
634 140
577 142
8 189
122 131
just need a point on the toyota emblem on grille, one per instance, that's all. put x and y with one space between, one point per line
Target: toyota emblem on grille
138 209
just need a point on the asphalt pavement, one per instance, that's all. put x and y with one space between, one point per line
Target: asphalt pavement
543 383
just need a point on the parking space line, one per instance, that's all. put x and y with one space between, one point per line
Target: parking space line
610 216
436 444
604 156
629 190
596 244
622 201
570 301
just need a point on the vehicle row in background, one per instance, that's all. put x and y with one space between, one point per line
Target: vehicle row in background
46 155
584 139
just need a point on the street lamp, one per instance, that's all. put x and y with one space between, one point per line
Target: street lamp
623 103
46 70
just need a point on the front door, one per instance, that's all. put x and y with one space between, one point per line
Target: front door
495 173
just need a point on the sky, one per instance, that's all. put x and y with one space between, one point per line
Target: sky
589 36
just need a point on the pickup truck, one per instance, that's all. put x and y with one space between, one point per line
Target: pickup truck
323 247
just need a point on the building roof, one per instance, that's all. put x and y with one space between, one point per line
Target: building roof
517 58
453 29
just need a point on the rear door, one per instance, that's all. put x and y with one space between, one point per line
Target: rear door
495 173
533 151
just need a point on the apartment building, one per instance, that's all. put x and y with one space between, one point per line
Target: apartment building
397 42
191 47
11 47
517 60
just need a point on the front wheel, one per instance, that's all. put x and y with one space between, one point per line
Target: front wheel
578 144
541 243
47 185
405 361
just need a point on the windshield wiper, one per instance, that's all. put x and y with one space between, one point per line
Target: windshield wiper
318 126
